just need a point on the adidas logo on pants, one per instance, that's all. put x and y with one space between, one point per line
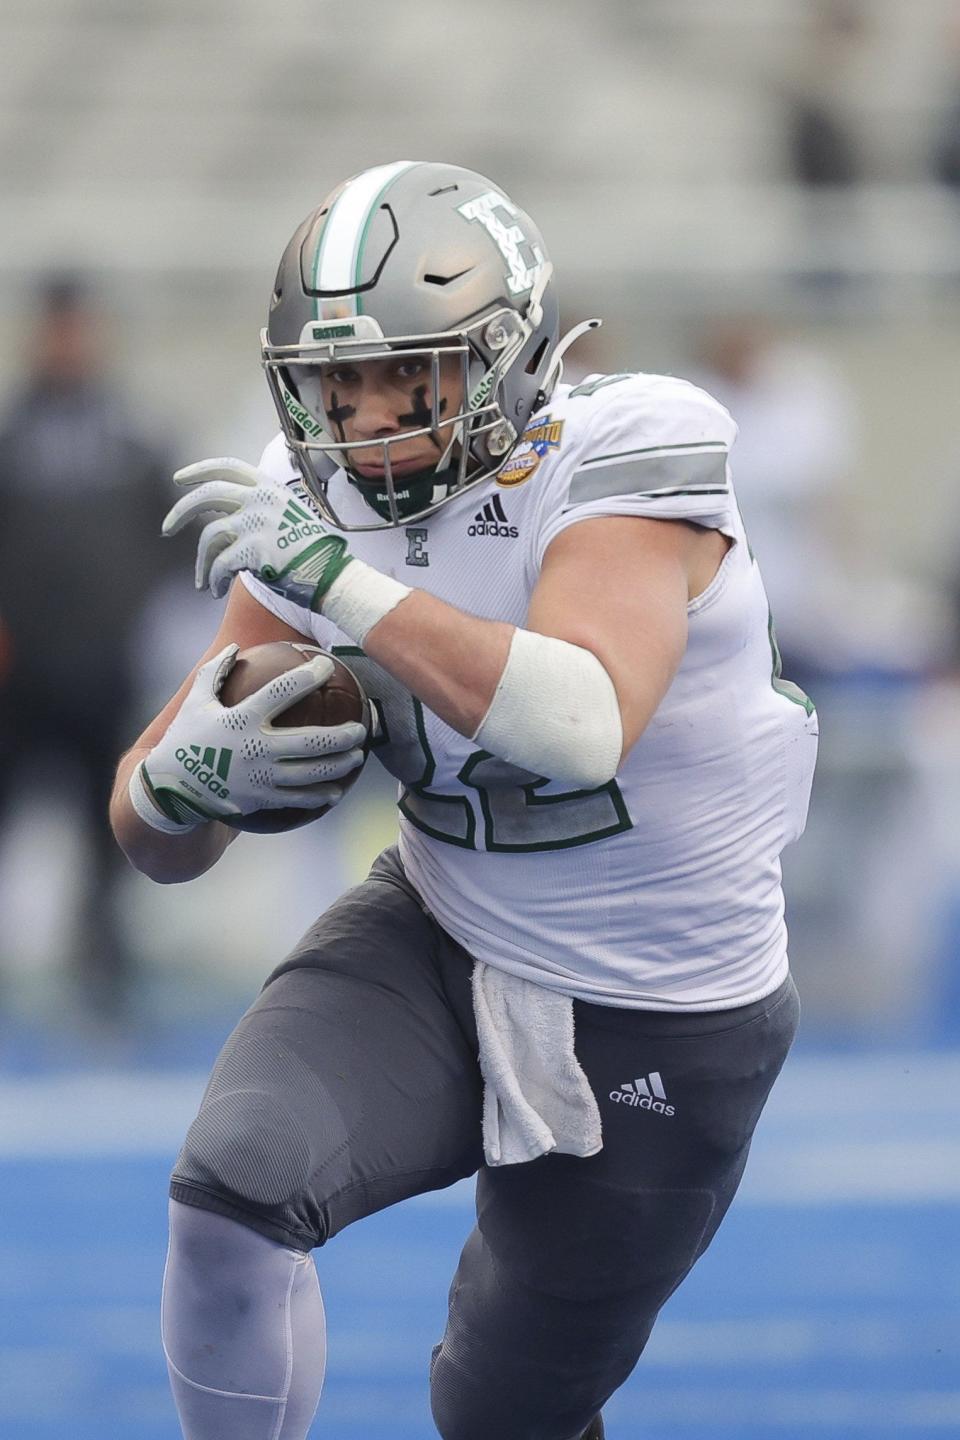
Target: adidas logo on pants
645 1094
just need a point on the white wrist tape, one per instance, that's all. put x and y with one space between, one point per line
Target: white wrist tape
359 597
555 711
147 810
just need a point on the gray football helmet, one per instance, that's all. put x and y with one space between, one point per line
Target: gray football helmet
430 260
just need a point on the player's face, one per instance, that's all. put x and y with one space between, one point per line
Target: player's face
380 399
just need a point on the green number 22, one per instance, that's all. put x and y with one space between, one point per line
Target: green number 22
516 816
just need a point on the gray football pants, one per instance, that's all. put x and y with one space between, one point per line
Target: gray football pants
353 1082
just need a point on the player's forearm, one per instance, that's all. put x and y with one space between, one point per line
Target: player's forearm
167 859
531 699
450 660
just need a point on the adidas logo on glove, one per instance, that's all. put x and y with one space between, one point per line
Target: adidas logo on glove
202 766
297 524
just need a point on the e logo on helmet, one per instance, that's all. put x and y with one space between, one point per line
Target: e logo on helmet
507 238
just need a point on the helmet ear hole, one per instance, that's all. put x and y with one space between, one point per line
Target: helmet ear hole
536 359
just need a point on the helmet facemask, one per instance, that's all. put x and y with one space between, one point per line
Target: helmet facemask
472 442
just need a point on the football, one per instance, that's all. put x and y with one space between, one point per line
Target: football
339 700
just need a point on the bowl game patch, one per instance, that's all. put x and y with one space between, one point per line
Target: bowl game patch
537 440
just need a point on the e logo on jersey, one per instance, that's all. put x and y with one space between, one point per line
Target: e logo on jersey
537 440
507 238
417 554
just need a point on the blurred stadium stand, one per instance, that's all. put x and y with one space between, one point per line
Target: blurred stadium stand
187 136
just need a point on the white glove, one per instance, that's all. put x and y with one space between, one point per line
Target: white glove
216 761
264 526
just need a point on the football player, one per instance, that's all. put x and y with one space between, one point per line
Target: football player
548 595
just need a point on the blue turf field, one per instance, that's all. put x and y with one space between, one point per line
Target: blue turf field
828 1305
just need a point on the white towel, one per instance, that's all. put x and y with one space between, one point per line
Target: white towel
536 1097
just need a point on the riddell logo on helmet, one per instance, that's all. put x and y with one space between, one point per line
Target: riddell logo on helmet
483 390
302 416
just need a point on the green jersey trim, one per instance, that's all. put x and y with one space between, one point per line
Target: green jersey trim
786 688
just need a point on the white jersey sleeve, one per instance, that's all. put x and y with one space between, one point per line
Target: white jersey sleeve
651 446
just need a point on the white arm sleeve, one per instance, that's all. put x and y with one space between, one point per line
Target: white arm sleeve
555 712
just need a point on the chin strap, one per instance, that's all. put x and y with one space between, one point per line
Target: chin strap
416 493
555 368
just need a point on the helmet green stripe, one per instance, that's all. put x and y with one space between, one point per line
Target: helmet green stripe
339 256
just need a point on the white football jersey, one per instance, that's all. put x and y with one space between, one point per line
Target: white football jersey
660 890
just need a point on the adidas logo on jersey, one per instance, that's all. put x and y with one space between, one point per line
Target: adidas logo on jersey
297 524
202 765
492 520
644 1094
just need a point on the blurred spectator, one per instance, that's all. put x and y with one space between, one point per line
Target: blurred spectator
790 463
823 150
820 148
822 145
840 609
81 498
945 156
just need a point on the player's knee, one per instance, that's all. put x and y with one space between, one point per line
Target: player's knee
248 1145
